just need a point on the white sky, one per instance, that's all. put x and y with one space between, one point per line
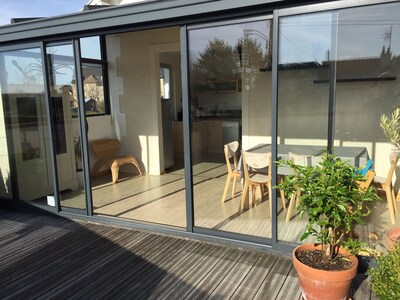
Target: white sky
37 8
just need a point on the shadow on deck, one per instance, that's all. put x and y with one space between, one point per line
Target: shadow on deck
50 257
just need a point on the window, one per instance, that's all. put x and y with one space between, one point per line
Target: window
94 67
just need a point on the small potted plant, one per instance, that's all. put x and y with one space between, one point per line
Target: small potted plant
385 277
78 159
331 200
391 127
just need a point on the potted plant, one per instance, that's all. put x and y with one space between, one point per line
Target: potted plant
331 200
78 159
392 237
391 127
385 278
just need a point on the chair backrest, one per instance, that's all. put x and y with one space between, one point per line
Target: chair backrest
300 159
369 176
230 151
105 148
256 161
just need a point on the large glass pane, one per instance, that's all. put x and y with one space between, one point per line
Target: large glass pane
67 127
303 100
367 86
93 85
230 95
347 60
135 174
24 102
5 176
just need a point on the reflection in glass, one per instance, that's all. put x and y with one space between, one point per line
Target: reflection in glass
368 70
90 47
67 129
230 81
27 125
304 58
94 89
340 70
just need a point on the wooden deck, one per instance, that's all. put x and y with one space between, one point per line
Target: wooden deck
43 256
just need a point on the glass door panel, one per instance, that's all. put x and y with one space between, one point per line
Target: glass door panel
27 126
367 86
67 131
304 68
230 95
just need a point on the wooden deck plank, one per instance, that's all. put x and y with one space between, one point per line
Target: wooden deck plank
291 287
176 273
190 280
232 280
149 281
49 257
106 272
255 277
274 280
213 278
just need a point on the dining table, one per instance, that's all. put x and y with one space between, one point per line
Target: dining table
356 156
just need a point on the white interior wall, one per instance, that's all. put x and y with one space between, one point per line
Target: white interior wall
137 115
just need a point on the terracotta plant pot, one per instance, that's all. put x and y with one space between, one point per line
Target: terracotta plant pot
392 236
319 284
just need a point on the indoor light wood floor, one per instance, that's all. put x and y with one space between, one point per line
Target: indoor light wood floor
161 200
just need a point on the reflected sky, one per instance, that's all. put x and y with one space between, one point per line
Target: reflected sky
231 34
360 33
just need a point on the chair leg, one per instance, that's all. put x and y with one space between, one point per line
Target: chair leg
283 199
114 171
228 180
253 195
234 186
135 163
293 199
245 197
394 202
390 201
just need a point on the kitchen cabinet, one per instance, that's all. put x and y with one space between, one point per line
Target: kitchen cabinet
199 139
214 139
178 140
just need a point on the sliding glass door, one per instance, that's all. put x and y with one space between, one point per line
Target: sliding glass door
67 130
26 127
230 103
337 74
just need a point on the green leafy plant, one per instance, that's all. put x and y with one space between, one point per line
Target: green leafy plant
331 199
391 127
385 278
354 246
78 153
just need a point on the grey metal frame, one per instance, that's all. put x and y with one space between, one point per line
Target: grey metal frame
266 242
184 13
54 167
83 126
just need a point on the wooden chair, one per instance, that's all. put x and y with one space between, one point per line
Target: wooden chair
105 151
257 173
369 177
302 160
387 186
230 151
